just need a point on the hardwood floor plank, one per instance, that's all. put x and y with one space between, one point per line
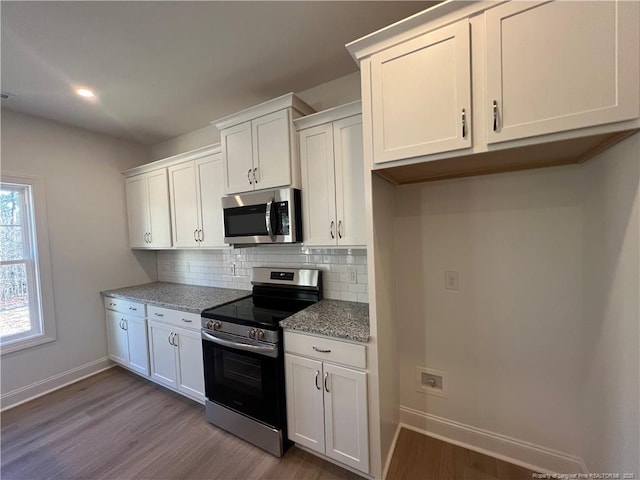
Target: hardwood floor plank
118 425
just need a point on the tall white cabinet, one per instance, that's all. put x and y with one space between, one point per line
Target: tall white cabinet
332 166
148 210
195 189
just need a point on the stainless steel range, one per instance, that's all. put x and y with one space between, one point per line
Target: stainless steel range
244 359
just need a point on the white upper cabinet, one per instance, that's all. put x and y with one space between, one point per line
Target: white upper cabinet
195 192
556 66
148 210
469 88
331 155
421 95
259 145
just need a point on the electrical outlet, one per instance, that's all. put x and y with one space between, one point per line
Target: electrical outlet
451 281
188 267
353 275
433 382
231 270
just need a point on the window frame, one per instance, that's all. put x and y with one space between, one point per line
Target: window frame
40 263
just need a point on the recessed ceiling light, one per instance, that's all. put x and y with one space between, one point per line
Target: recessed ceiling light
85 92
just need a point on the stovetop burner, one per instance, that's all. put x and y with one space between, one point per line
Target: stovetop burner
245 312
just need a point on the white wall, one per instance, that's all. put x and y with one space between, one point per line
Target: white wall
611 334
87 234
541 340
327 95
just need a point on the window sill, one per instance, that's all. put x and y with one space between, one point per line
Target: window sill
24 343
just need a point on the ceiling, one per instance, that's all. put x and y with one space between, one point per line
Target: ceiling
161 69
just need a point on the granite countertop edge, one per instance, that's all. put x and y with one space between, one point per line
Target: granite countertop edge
177 296
337 319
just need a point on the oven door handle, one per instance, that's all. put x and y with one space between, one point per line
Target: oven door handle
271 351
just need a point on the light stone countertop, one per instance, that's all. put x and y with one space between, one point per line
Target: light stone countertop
177 296
333 318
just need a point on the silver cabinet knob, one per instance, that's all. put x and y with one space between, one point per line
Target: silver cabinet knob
252 333
260 334
217 326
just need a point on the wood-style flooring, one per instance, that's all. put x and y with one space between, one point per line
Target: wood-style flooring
116 425
420 457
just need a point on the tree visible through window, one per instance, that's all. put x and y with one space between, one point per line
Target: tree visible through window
21 308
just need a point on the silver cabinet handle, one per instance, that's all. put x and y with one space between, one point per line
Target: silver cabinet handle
124 322
175 339
195 234
321 350
495 116
331 230
464 124
317 375
121 324
145 238
112 304
340 228
326 375
150 238
200 236
249 177
159 314
186 320
170 339
133 309
255 178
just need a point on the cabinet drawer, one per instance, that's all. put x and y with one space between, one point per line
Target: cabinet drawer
124 306
174 317
326 349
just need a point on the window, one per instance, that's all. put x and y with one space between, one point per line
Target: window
26 297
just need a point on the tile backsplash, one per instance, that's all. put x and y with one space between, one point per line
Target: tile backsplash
231 268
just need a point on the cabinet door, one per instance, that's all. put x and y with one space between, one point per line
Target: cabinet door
209 177
116 337
137 344
184 210
272 150
162 354
189 358
238 158
305 412
345 403
137 210
318 186
419 90
349 172
159 218
555 66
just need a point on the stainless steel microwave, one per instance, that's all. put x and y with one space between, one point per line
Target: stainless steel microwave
270 216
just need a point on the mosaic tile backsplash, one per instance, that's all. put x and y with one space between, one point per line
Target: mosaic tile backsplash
344 270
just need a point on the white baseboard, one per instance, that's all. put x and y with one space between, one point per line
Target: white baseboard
29 392
528 455
392 449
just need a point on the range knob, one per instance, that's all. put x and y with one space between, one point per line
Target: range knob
260 334
211 325
252 333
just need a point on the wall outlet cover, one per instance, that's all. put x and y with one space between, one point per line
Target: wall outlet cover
431 381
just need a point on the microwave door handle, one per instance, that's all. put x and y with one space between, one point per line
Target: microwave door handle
267 218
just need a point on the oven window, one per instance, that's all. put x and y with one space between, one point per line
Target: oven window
246 382
245 221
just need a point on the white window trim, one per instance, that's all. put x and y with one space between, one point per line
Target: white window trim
44 264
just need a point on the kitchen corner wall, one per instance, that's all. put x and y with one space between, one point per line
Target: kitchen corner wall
215 268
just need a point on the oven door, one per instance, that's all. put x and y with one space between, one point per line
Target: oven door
241 377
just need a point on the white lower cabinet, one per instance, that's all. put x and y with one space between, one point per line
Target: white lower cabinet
176 358
327 408
127 335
